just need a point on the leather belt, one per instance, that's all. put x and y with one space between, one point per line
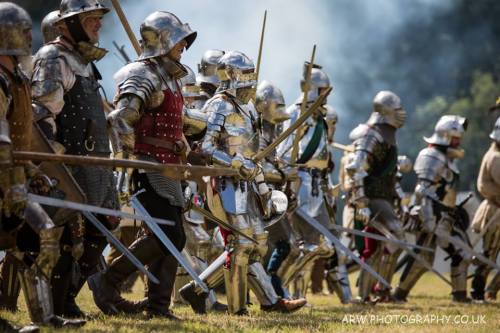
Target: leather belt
177 147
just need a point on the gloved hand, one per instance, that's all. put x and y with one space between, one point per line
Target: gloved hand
247 168
15 200
40 184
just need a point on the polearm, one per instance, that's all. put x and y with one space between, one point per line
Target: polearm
303 117
126 26
122 52
307 83
261 45
174 171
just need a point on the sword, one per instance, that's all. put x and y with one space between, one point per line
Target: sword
381 238
54 202
173 171
221 223
466 248
156 230
380 227
122 248
259 58
338 244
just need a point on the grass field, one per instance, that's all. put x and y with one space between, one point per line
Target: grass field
428 310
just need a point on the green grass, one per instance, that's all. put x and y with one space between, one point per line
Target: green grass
325 314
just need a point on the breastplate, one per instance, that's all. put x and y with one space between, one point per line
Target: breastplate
240 133
82 125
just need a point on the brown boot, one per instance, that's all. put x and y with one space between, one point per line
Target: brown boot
286 305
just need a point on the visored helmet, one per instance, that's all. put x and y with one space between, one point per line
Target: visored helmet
387 109
15 30
319 80
270 103
161 31
237 75
447 127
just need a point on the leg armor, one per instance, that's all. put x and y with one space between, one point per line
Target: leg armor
213 276
9 283
338 278
235 274
49 235
258 280
366 281
37 294
493 287
413 270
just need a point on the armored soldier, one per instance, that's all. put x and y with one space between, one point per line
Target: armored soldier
434 206
148 120
198 242
23 222
68 107
486 220
231 140
270 104
373 179
314 156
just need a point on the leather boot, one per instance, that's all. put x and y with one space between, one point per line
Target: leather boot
285 305
60 282
105 285
159 295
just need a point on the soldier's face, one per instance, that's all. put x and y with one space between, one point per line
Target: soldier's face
455 142
92 25
176 52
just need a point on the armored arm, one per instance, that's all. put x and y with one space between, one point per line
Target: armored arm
138 87
358 168
429 167
122 120
51 77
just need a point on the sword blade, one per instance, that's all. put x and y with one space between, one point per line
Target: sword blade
54 202
122 248
380 227
381 238
156 230
338 244
221 223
